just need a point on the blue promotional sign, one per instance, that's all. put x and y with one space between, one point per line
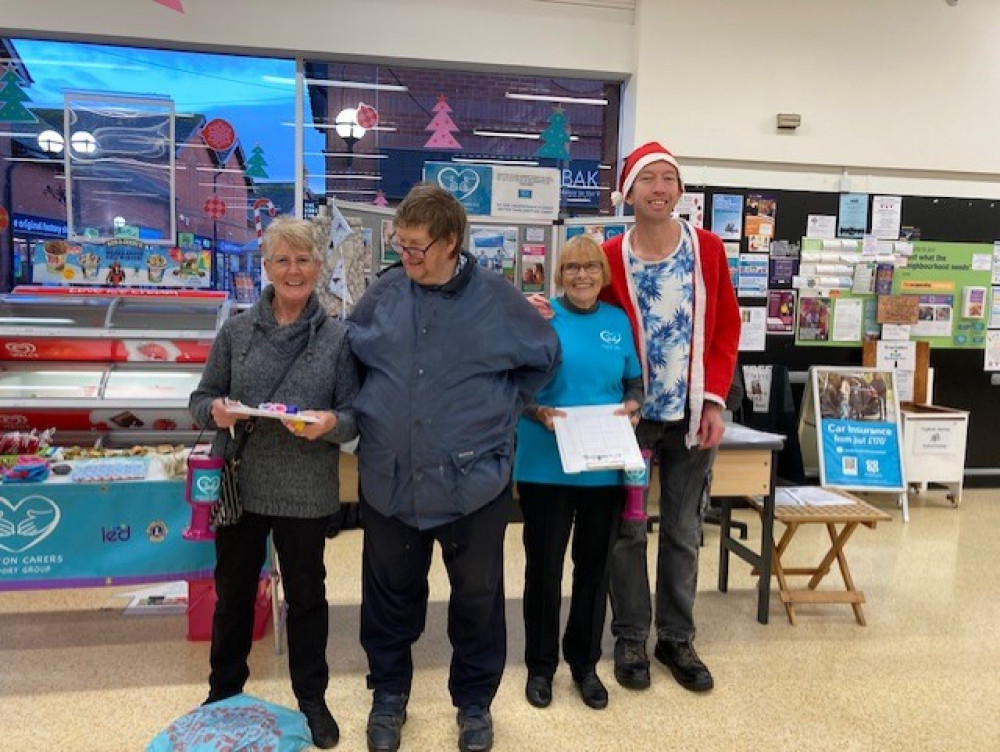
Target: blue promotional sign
119 262
472 185
32 225
581 184
86 535
858 428
511 192
861 455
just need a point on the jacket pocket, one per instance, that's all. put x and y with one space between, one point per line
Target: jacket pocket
377 475
480 474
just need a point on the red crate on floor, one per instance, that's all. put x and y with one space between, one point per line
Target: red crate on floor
201 609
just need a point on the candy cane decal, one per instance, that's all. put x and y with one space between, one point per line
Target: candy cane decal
259 204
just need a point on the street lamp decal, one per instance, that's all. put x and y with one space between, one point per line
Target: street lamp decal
83 143
51 142
348 127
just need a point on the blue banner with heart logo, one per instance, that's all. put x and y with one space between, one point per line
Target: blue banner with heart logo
76 535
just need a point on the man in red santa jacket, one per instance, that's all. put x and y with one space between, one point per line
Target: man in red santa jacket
673 281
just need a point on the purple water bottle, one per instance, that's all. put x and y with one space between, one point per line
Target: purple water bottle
636 483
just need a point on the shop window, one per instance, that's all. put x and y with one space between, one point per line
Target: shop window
196 187
378 125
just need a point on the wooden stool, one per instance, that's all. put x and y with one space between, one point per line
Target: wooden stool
848 516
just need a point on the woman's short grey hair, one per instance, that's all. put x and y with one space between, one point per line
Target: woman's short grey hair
296 234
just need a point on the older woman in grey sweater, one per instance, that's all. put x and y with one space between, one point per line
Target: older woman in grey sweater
285 349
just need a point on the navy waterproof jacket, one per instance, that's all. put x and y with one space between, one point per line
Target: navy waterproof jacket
446 372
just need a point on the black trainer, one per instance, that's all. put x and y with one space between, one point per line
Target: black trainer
592 690
324 729
475 729
538 690
684 663
631 664
385 721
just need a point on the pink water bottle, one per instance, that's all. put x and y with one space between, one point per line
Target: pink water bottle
636 483
204 478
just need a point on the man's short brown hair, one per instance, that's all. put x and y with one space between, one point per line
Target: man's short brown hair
429 206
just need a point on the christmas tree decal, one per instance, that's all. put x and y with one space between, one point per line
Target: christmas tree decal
442 126
556 137
256 164
11 96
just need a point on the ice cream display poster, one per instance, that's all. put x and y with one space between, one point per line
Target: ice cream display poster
119 262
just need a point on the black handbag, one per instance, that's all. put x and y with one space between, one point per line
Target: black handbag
228 510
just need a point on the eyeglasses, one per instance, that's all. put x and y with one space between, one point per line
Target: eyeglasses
572 268
413 251
285 262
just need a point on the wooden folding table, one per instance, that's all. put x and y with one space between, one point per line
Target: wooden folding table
841 521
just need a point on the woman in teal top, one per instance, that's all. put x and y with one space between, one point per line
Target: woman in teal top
599 367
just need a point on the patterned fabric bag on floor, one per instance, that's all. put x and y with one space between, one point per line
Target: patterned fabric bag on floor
238 724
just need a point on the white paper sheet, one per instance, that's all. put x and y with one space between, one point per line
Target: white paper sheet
592 437
811 496
847 319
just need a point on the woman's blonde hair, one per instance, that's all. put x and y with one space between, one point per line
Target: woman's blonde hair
297 234
581 250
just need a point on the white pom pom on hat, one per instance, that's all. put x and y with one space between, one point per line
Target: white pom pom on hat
642 156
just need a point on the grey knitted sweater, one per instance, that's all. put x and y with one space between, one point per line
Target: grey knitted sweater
282 474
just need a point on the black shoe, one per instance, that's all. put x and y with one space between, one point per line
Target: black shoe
684 664
538 690
592 690
475 730
385 721
214 697
631 664
325 732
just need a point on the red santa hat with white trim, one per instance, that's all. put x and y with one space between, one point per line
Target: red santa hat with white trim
643 156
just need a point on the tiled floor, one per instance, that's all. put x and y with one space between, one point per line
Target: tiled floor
75 674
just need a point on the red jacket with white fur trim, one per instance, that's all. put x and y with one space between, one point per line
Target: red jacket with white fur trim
716 321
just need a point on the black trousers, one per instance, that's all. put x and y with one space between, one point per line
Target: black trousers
550 512
240 552
396 560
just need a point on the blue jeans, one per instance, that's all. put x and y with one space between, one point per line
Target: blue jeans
683 493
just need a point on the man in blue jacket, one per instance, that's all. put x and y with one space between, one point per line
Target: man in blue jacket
451 352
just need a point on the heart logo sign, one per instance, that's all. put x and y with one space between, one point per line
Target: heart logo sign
26 523
459 183
208 486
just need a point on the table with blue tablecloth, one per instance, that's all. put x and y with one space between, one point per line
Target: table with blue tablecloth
61 534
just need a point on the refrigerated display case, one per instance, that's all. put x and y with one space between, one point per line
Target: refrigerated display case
118 368
47 324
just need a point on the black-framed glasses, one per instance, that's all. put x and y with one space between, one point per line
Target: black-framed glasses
413 251
573 268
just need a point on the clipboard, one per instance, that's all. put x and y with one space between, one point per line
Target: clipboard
592 438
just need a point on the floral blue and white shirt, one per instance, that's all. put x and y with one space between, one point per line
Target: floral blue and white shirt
665 293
